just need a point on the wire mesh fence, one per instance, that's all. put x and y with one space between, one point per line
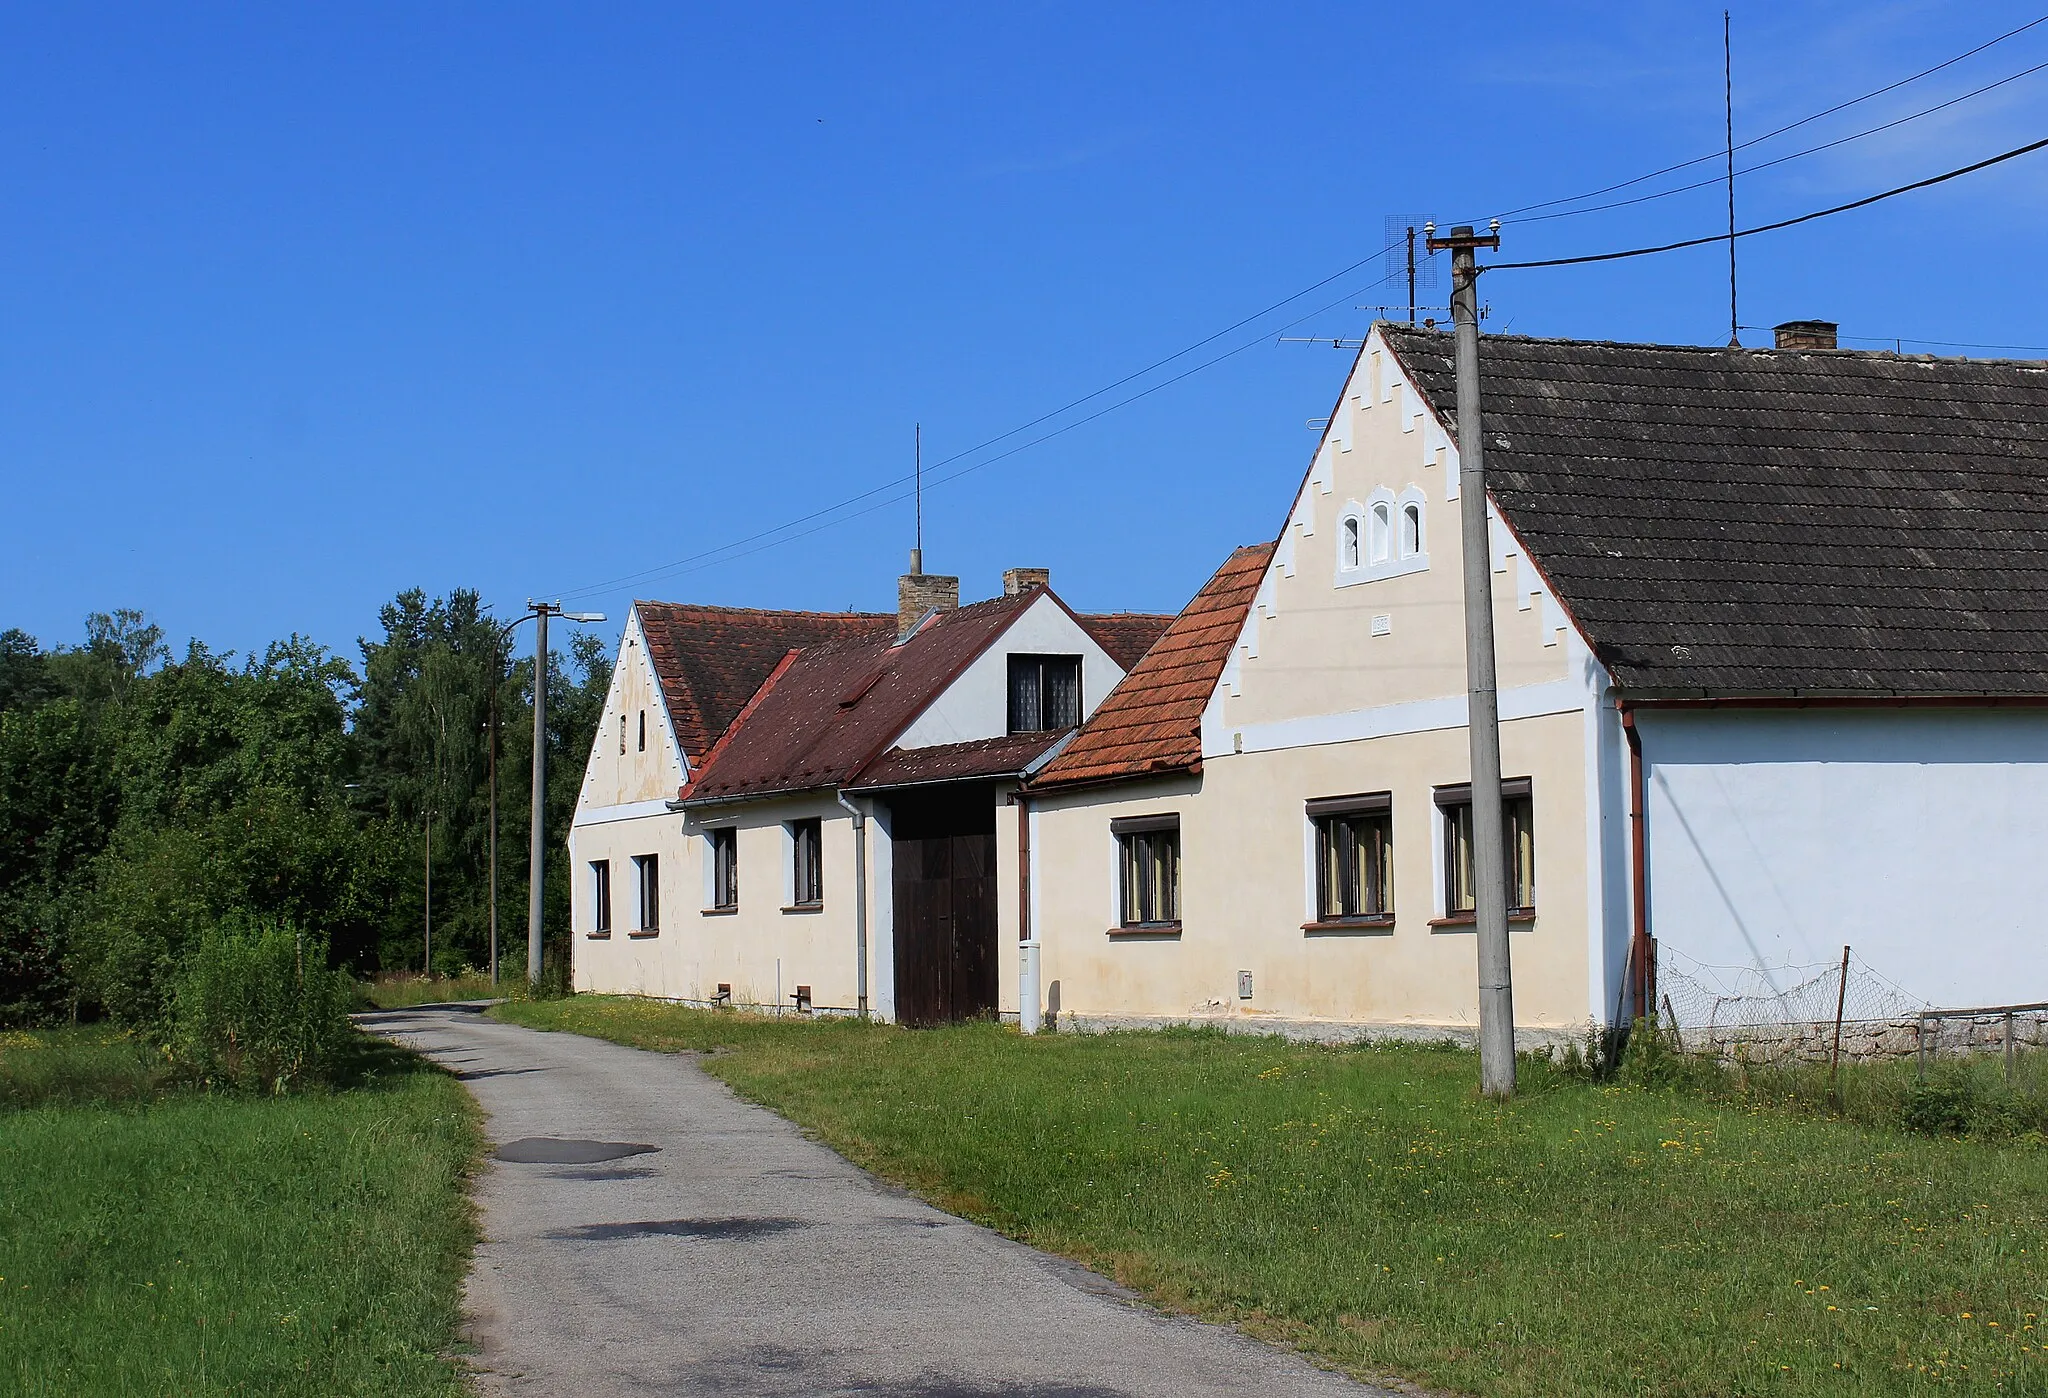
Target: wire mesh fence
1844 1010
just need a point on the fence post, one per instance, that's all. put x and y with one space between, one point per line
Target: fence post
2008 1048
1835 1055
1920 1048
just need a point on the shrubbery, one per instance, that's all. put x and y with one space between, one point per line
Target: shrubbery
257 1008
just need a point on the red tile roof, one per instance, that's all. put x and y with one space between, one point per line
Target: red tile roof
710 660
838 705
1151 723
1125 635
982 757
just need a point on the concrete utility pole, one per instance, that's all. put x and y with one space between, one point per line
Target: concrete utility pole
1489 842
537 841
537 846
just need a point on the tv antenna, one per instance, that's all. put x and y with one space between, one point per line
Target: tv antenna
917 494
1399 232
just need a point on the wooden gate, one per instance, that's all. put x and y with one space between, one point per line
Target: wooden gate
944 884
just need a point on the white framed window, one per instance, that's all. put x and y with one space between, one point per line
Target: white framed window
600 898
1385 536
647 878
1411 528
722 870
805 840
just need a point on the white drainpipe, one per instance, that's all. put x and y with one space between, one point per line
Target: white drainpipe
860 903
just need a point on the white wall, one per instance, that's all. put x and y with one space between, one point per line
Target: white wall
977 705
1914 835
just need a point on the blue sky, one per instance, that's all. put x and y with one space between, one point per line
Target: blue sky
300 307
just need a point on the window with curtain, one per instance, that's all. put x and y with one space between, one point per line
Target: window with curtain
807 865
1148 854
1354 857
1045 693
1518 832
1347 550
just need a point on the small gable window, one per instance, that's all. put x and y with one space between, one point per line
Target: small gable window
643 730
1411 529
1348 550
1045 693
1381 539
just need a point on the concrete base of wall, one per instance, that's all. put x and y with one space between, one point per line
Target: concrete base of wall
1321 1031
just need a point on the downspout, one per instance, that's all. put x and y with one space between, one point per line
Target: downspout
1030 997
860 903
1642 952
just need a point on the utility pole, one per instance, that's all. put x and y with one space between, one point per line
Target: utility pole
491 741
537 845
427 835
1489 842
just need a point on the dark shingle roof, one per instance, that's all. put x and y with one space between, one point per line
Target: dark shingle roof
1764 522
1151 723
710 660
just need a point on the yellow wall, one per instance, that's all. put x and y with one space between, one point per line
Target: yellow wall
1246 852
695 950
612 777
1314 704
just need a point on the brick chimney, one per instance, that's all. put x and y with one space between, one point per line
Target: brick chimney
1805 334
1016 580
918 592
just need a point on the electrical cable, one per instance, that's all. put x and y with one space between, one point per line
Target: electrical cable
1867 200
834 513
1769 135
1795 155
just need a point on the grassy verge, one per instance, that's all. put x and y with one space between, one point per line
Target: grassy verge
157 1241
403 992
1366 1205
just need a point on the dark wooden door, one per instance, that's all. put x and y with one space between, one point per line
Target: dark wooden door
944 912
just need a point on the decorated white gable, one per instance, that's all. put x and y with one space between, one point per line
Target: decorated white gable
635 761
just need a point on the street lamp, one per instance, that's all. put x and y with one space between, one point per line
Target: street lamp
538 612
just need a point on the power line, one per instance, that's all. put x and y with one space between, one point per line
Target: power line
1795 155
2013 154
836 513
647 574
1769 135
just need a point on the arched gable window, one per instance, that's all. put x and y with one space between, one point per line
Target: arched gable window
1347 551
1411 529
1380 541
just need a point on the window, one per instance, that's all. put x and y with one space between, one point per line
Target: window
723 847
1148 855
1045 693
1354 858
647 870
643 730
1380 540
622 735
1518 829
1411 529
601 897
806 865
1347 556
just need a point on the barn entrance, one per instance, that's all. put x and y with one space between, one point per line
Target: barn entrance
944 884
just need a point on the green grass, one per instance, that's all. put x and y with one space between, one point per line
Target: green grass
175 1242
1366 1205
403 992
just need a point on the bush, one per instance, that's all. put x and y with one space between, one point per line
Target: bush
257 1008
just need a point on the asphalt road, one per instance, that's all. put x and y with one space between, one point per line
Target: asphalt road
728 1254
